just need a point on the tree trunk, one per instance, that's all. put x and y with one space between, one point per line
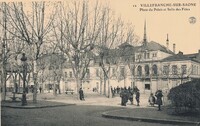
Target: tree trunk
100 86
109 89
35 88
3 79
59 88
3 86
124 82
54 90
43 87
3 94
78 83
104 90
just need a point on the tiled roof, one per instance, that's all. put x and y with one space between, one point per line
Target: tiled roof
194 56
119 52
126 44
125 49
176 58
181 57
154 46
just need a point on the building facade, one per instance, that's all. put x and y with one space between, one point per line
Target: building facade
150 67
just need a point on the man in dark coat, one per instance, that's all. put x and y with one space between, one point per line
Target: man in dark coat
118 89
131 97
121 95
137 97
112 92
81 94
124 97
40 89
159 96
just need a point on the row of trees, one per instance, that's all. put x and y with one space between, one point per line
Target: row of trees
70 28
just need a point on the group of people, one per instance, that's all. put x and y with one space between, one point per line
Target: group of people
127 95
157 99
116 90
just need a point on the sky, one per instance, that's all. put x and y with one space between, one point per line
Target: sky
176 24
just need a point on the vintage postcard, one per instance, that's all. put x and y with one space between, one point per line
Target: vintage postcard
100 62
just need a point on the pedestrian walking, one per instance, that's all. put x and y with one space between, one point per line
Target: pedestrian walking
135 89
124 97
112 92
118 89
81 94
159 96
40 89
16 88
152 99
137 97
129 89
56 91
131 97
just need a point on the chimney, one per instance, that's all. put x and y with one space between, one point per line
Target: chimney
174 48
180 53
167 42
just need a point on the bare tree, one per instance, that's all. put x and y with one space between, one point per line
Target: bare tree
31 28
11 48
56 64
113 33
76 32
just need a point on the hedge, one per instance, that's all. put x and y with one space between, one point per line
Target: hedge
186 95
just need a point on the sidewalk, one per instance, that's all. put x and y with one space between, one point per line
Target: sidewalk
31 105
150 114
97 99
42 102
49 100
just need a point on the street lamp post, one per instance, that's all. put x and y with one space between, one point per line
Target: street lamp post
23 59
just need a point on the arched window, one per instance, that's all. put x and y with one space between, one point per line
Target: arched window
154 69
139 71
146 70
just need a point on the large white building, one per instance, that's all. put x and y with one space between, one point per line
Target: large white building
150 67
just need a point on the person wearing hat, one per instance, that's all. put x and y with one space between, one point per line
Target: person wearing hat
137 97
159 96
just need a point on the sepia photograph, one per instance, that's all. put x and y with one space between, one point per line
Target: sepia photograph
100 62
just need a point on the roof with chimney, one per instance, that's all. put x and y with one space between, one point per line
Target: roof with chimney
195 56
181 57
154 46
126 49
